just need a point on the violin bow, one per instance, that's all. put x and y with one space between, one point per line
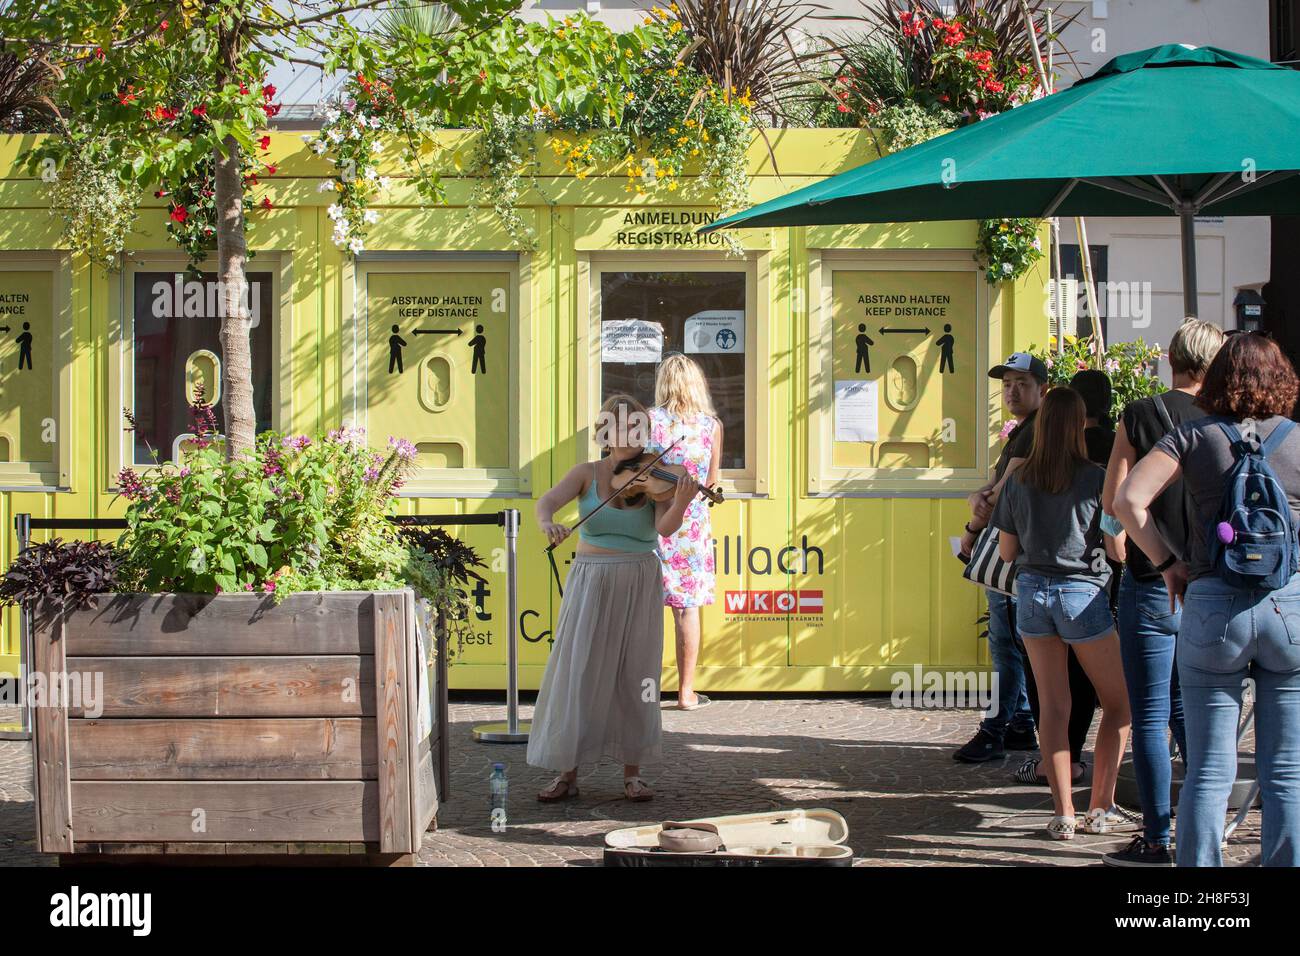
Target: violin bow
550 548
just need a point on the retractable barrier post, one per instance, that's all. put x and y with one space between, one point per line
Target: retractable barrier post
512 731
23 528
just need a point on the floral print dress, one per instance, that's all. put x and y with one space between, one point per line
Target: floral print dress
687 556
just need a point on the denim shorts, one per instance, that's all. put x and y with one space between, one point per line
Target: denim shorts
1075 611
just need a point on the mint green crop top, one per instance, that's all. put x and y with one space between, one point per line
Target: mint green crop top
619 529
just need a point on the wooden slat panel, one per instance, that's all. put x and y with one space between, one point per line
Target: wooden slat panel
50 745
199 625
426 793
232 686
294 748
391 728
325 810
412 648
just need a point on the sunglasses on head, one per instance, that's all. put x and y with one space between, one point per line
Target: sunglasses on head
1262 333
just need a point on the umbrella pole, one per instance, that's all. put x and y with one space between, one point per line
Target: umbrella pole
1085 256
1187 218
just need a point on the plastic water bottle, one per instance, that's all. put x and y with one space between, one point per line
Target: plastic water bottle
499 787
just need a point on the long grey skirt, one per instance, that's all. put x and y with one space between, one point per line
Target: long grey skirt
599 695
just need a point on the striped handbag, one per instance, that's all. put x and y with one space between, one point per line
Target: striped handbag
986 567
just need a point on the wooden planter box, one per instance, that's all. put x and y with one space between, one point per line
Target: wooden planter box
233 726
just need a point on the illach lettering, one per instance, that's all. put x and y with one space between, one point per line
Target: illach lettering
103 909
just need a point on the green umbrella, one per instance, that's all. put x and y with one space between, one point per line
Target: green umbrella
1173 130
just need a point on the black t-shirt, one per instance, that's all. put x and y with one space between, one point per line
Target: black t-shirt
1100 439
1020 441
1145 426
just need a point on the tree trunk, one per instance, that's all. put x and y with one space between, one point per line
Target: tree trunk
238 414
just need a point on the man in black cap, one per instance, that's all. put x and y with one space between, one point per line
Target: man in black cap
1011 725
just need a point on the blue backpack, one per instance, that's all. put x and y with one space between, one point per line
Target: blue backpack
1262 553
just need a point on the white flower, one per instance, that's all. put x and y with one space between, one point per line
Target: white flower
318 147
385 182
335 211
356 246
1038 245
1006 267
376 122
372 173
331 115
335 136
308 137
325 186
370 216
376 146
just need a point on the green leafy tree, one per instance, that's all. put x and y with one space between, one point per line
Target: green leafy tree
171 95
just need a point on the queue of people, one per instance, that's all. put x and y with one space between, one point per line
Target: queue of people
1169 575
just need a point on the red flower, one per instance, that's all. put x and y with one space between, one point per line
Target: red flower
250 179
243 89
993 86
180 213
163 25
1024 70
842 108
905 16
266 202
938 23
200 110
270 109
265 142
270 170
126 97
268 91
99 53
482 76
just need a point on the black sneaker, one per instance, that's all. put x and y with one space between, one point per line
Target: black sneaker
1139 853
1020 739
983 746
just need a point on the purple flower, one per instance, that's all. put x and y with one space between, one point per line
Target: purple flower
297 443
130 483
371 473
185 472
405 450
271 463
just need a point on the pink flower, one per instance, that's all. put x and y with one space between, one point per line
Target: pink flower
130 483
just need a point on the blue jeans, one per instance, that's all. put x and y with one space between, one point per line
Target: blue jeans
1012 702
1226 636
1147 634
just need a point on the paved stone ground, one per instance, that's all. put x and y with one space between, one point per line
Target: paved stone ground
889 772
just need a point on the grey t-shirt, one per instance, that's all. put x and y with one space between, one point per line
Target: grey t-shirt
1060 535
1202 448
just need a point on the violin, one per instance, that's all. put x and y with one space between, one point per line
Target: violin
659 482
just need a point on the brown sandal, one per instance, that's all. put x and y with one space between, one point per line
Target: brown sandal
553 793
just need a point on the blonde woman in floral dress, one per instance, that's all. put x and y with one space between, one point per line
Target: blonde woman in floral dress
683 409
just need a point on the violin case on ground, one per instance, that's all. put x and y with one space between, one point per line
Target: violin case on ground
813 837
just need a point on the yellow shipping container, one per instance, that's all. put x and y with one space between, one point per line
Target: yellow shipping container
848 363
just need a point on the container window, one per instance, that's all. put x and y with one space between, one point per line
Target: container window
177 325
647 315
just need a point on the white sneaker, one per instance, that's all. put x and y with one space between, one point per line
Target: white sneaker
1114 820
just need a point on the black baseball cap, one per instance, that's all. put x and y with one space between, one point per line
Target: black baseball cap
1021 362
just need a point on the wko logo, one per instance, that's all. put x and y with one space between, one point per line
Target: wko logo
773 602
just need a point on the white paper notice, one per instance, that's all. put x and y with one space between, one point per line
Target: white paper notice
856 411
631 340
715 330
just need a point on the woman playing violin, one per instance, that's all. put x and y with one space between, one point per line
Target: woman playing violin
599 695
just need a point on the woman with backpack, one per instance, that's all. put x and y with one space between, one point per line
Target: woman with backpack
1240 468
1050 510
